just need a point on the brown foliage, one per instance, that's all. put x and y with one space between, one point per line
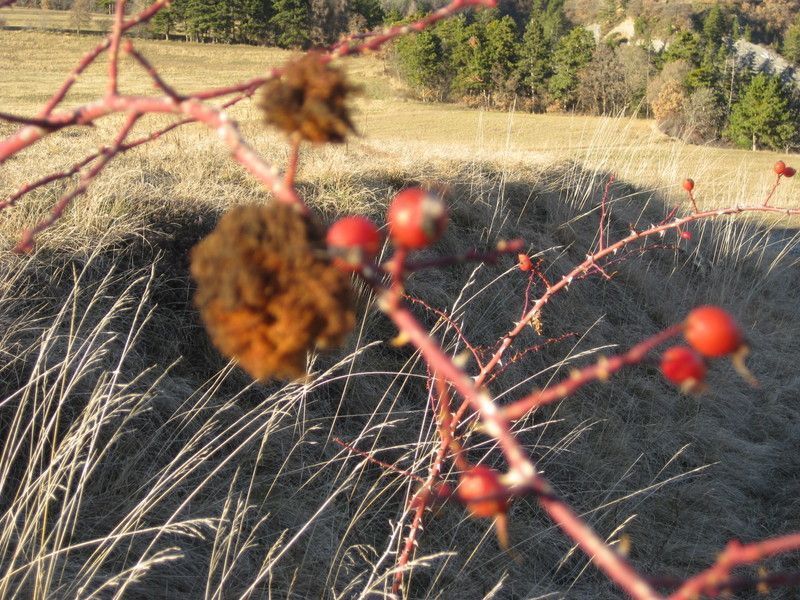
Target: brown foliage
309 101
774 15
614 81
669 102
267 292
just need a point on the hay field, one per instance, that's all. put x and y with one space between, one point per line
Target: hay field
136 463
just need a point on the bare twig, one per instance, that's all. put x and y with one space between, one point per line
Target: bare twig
158 81
113 52
26 243
600 371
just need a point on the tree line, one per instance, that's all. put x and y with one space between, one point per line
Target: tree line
699 86
532 53
283 23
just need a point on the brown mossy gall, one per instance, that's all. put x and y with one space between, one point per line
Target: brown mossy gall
309 101
266 291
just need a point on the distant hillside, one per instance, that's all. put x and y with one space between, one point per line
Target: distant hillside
761 58
768 20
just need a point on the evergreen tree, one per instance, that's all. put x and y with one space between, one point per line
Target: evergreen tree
554 20
791 43
574 52
167 20
371 10
762 118
535 57
708 74
196 18
474 71
254 22
609 12
393 16
685 46
419 62
290 22
714 28
736 28
501 53
453 37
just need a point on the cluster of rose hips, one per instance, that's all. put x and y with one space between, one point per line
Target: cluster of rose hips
710 332
417 218
781 170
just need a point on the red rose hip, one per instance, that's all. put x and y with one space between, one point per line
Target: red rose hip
712 331
688 185
780 167
417 219
482 492
683 366
353 241
789 172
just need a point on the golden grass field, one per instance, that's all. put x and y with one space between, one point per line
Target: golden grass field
138 464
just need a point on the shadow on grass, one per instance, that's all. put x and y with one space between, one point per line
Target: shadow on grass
108 346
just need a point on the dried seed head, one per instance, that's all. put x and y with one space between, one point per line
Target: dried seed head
309 101
266 291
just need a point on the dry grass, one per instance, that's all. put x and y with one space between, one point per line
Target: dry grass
137 464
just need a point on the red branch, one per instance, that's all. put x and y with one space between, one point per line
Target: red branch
603 203
600 371
158 81
213 118
190 106
294 160
29 187
26 243
449 320
375 461
503 247
423 495
497 421
774 189
690 193
522 470
735 555
391 33
113 52
763 583
587 265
